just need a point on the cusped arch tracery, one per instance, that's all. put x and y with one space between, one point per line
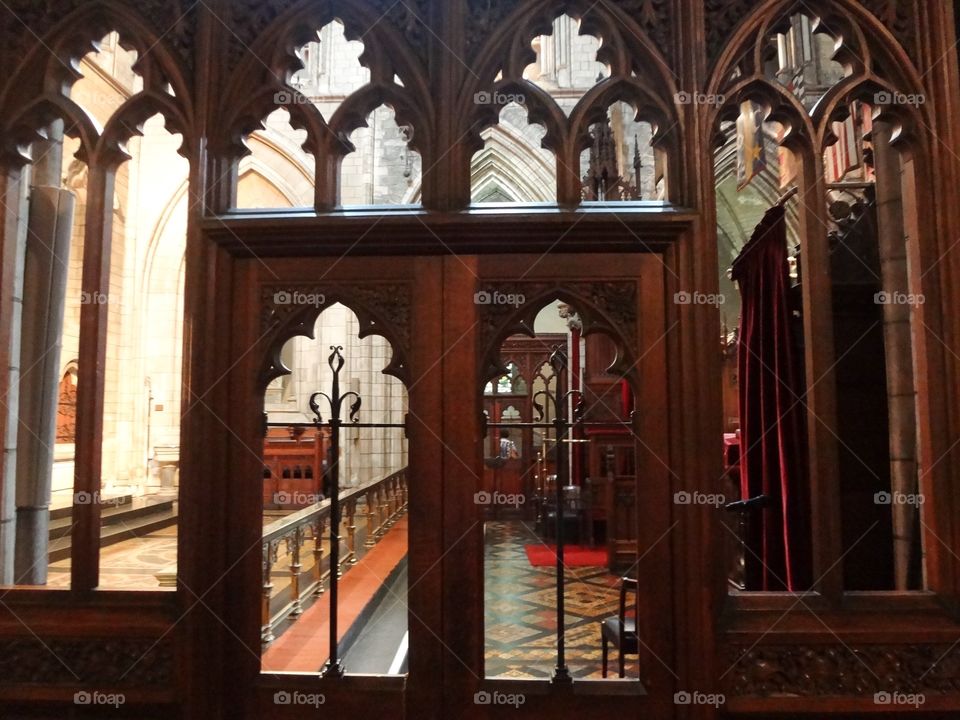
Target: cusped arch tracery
161 32
799 131
635 72
273 56
726 19
875 67
39 93
623 48
397 79
606 307
381 309
633 35
864 47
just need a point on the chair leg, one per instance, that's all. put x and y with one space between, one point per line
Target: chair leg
622 668
603 642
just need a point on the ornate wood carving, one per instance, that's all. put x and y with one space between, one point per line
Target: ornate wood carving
605 305
898 17
101 661
487 17
251 18
810 670
381 308
483 19
655 17
723 17
176 23
411 18
173 21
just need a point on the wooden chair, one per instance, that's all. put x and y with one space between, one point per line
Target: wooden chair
621 630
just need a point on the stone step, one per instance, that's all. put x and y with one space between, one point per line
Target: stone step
136 519
115 512
65 511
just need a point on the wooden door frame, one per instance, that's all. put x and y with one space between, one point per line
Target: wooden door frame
466 340
382 282
234 248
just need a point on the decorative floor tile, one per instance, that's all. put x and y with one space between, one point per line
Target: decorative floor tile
520 610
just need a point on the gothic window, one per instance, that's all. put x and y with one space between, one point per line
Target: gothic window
278 172
118 273
143 364
801 58
813 103
383 169
511 383
331 134
566 64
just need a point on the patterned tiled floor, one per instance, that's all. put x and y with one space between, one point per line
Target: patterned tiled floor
520 610
129 565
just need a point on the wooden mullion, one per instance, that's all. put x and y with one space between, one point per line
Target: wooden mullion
91 373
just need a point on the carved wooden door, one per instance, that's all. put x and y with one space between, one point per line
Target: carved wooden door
496 620
445 320
398 300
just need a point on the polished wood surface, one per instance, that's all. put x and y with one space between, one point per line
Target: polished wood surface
202 644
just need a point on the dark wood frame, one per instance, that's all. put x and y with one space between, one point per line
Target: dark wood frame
211 609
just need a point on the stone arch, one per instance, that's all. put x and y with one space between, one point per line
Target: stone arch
510 163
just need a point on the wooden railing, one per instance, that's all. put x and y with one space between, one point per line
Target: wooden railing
379 503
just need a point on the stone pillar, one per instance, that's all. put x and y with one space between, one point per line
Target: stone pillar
898 348
44 281
15 234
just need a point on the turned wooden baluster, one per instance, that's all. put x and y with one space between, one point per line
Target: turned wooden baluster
352 530
318 554
381 512
371 539
388 504
269 558
294 542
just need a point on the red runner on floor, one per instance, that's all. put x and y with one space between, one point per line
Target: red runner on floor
573 555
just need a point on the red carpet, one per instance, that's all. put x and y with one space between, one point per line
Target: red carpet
573 555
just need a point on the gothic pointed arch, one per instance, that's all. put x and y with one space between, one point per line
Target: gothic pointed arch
265 54
161 33
864 43
608 308
381 310
509 168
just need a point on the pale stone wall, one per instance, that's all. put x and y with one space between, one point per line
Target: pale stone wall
367 453
145 296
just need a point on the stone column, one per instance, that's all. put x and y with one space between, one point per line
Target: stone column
44 287
898 348
15 234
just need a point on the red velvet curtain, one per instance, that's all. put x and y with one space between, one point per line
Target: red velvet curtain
772 415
